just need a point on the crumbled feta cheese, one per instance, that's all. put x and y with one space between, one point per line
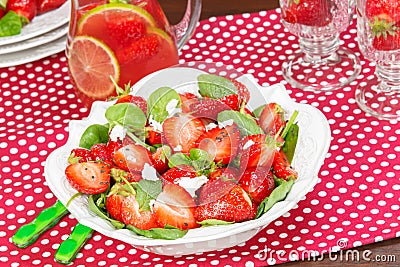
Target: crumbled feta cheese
192 184
151 203
117 131
155 124
171 107
131 158
149 173
211 126
178 148
223 124
248 144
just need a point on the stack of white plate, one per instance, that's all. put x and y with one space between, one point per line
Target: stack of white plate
44 36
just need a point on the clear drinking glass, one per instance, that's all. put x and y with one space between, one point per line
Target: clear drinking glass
321 64
379 41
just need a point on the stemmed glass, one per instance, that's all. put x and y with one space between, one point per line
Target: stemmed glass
321 64
378 28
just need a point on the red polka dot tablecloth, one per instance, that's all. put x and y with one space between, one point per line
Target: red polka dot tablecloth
356 201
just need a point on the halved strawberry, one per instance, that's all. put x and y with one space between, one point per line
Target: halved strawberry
257 150
114 201
174 206
134 99
272 119
227 172
222 144
235 206
208 108
133 215
243 92
132 157
281 166
215 189
231 101
258 183
125 31
182 130
160 159
142 49
101 153
114 146
187 99
174 174
80 155
88 177
154 137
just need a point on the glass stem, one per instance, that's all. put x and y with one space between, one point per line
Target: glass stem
320 46
389 76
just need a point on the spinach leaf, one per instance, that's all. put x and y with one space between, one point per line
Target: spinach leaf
246 123
290 144
160 101
211 222
95 202
147 190
278 194
126 114
94 134
214 86
10 24
257 111
169 233
179 159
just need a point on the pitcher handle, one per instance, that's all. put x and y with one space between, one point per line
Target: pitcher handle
185 28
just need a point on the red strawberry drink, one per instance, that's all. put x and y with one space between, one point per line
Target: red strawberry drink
379 40
321 65
118 43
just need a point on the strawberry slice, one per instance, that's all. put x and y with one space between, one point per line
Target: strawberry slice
134 99
235 206
187 99
257 150
160 160
215 189
257 183
114 201
140 50
88 177
227 172
101 153
44 6
208 108
221 143
181 131
174 206
131 214
177 172
154 137
272 119
126 30
80 155
132 157
281 167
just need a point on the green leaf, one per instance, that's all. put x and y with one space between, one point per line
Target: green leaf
257 111
159 103
168 233
214 86
246 123
179 159
94 134
201 159
278 194
95 202
10 24
211 222
126 114
290 144
147 190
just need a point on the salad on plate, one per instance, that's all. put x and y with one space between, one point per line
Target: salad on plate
182 160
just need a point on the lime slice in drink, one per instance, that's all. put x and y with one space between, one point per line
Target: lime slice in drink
91 64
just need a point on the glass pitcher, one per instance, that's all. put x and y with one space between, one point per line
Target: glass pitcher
118 42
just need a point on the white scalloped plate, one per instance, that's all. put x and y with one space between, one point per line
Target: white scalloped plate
41 24
309 157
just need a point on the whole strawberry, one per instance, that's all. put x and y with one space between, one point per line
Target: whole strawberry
26 9
309 12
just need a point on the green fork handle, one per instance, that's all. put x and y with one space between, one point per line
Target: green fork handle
68 249
47 218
